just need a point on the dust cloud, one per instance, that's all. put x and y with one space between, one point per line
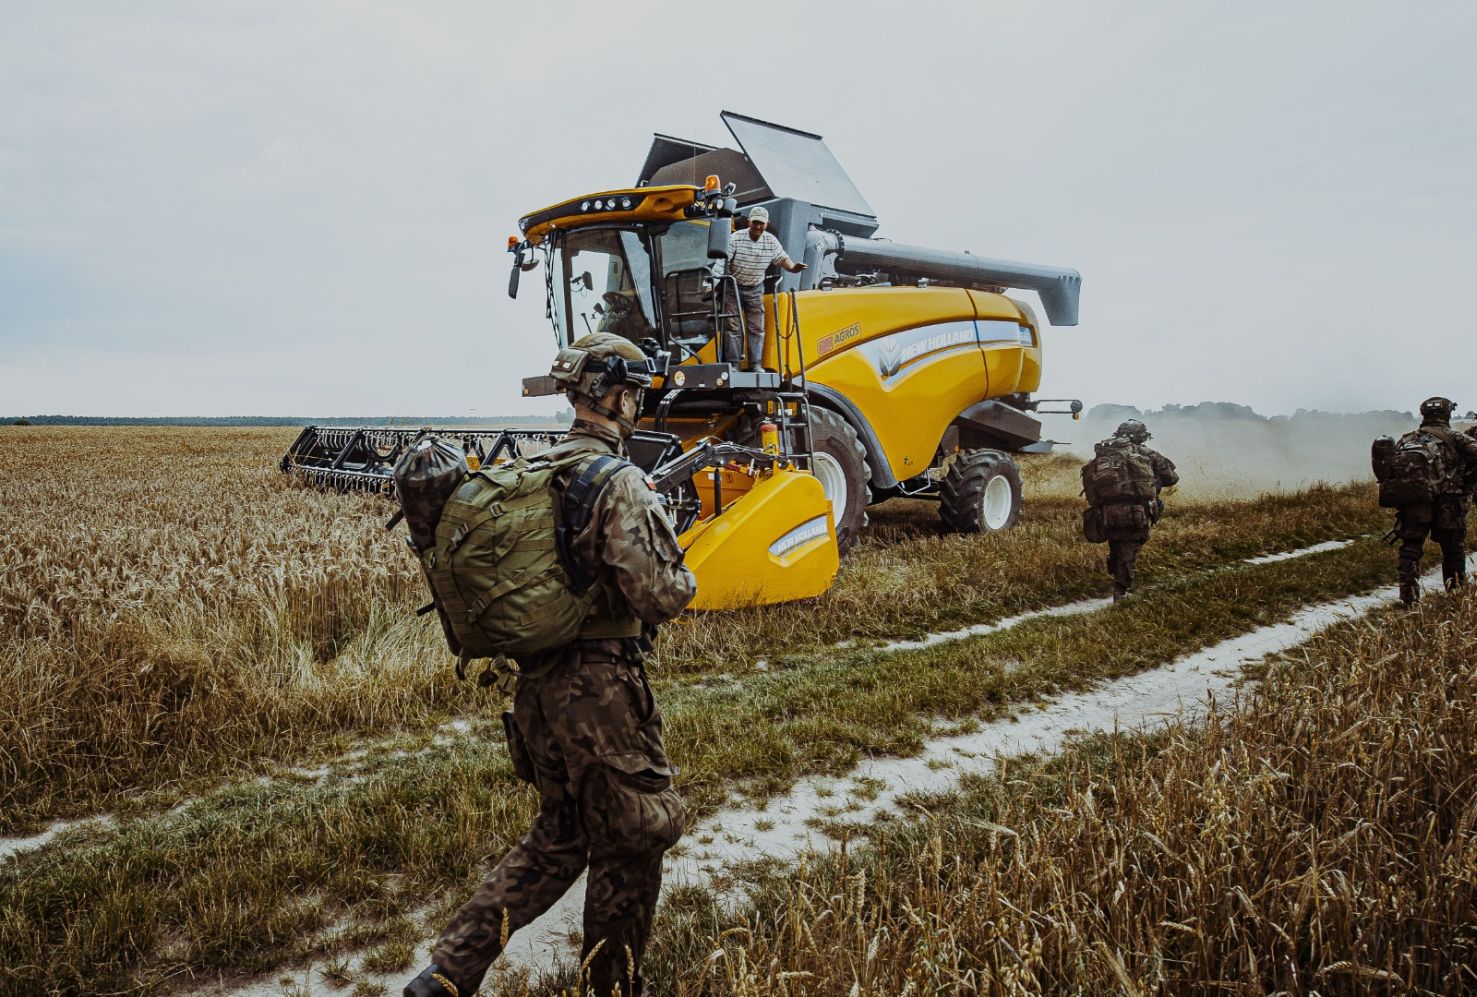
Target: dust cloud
1237 458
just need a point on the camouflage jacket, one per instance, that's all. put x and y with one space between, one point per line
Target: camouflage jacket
1461 476
1164 472
629 542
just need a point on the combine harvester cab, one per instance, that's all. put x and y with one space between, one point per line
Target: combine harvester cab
890 370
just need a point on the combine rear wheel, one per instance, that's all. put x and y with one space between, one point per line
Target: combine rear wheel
981 493
840 463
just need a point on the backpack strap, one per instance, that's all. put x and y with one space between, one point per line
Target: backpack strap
1447 436
575 507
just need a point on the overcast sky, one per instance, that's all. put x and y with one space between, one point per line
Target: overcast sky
302 208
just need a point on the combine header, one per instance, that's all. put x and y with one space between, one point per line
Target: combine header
361 459
889 370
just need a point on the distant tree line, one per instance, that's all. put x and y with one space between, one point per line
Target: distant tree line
1229 410
564 416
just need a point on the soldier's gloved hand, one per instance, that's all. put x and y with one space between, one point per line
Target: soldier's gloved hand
432 982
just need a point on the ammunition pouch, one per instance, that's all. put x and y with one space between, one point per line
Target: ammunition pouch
1125 516
1092 525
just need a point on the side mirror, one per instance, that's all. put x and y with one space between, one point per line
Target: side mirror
516 248
719 232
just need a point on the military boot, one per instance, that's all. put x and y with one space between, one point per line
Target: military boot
434 983
1454 576
1119 592
1410 594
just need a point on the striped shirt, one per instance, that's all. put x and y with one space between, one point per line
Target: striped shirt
748 259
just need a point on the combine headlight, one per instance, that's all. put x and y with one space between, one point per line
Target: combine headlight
679 378
585 206
599 205
626 203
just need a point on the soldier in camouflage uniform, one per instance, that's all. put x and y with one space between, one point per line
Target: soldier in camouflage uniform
1445 521
591 731
1124 543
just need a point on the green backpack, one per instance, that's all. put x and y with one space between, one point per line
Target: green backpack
1118 474
496 570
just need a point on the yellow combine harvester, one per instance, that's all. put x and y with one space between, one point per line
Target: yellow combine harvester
892 370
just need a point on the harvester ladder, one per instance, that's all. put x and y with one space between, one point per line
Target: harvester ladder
790 346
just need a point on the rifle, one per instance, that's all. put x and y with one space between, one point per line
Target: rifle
672 475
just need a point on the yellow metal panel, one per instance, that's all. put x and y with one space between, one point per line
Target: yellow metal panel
1012 368
776 544
995 306
1004 366
846 334
832 321
1031 358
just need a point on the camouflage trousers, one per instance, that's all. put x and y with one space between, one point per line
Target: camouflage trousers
1446 524
593 735
1123 557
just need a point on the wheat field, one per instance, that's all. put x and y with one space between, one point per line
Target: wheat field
181 622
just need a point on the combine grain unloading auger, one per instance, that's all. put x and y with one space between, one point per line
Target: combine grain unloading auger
891 370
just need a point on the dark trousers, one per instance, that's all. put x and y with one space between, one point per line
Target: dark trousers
1446 524
748 318
593 736
1123 556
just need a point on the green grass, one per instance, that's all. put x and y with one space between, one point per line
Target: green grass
251 878
822 714
906 579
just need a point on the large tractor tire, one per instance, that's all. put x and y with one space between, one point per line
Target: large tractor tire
981 493
840 462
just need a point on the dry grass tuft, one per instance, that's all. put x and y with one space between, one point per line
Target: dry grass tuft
174 611
171 606
1319 837
200 618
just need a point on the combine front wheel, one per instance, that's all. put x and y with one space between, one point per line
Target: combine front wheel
841 465
981 493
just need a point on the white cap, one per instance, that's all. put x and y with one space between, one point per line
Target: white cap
759 215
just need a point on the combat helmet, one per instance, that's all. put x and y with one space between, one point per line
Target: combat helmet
1438 408
1132 430
590 367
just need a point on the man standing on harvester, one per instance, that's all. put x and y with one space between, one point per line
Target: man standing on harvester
585 728
751 252
1122 484
1428 477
